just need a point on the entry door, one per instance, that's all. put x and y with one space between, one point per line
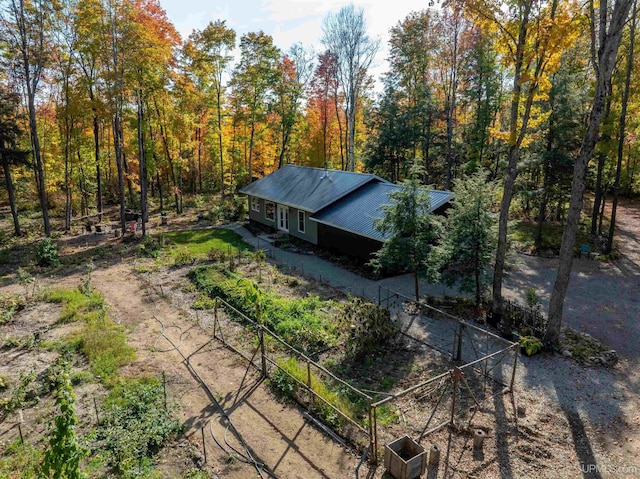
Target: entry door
283 218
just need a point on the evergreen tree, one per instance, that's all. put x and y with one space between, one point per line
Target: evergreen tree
470 236
412 232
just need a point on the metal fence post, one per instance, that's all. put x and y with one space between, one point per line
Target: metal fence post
263 357
458 347
313 397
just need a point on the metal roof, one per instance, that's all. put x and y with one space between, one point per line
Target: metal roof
355 213
309 189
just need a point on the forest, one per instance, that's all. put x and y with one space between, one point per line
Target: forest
103 103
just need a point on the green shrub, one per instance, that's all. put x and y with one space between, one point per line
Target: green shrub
299 321
150 247
183 257
10 304
64 452
370 327
47 253
135 425
530 345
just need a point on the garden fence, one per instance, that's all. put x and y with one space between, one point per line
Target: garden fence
478 365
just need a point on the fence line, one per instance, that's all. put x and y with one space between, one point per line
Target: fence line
460 390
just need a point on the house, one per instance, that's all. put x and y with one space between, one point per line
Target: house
329 208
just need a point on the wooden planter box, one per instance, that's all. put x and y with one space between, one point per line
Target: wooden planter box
404 458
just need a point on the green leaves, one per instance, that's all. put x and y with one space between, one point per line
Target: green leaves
135 425
413 231
63 456
470 237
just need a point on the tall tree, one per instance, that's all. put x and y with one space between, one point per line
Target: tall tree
533 36
606 40
209 54
345 36
470 236
253 79
294 71
88 19
622 128
411 229
26 27
10 153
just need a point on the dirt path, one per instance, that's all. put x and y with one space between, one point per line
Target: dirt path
276 434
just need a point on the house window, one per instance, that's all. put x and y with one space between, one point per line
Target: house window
301 221
255 204
269 211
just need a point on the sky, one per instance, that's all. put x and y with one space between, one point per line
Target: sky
291 21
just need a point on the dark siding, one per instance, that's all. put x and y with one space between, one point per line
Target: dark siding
343 242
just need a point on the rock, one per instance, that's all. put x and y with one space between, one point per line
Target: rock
609 358
567 354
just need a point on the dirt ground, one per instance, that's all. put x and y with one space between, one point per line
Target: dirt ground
576 415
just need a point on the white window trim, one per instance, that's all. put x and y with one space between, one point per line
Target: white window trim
273 211
304 222
255 204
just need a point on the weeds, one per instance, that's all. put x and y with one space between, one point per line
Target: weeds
102 341
47 253
299 321
135 425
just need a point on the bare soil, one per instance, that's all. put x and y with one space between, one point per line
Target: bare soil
576 416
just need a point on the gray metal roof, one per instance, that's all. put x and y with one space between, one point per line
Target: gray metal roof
356 212
309 189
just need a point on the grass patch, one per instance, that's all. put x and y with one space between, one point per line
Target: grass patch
103 342
523 234
299 321
199 243
19 459
76 304
105 346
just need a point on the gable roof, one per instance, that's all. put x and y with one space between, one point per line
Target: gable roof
305 188
356 212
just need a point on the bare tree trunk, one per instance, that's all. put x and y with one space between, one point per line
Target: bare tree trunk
96 143
622 131
143 167
6 165
607 53
512 161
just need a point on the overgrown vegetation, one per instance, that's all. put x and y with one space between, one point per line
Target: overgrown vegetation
47 253
300 321
135 425
64 452
342 398
103 342
370 327
10 304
